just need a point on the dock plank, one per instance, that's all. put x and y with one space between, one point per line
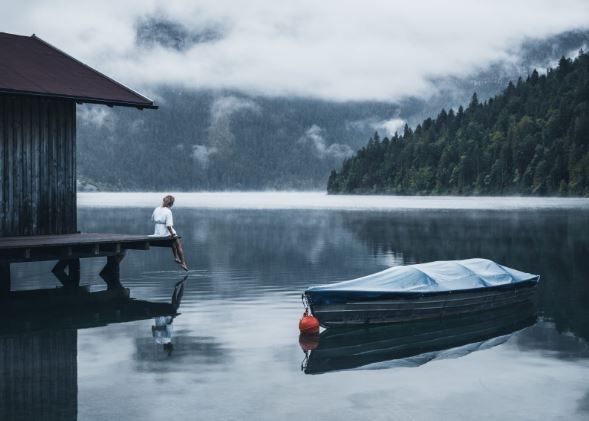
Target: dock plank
77 239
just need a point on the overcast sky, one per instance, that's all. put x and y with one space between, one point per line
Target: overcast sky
334 50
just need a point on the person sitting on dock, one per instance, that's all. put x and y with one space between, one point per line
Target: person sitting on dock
164 226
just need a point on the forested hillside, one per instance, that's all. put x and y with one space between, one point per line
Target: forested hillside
532 139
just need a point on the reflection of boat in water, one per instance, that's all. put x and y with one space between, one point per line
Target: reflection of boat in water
420 292
414 343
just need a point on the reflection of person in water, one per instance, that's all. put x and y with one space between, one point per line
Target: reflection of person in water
162 332
164 227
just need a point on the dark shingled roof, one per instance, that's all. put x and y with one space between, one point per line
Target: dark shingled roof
31 66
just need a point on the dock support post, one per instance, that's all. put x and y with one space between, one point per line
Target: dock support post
72 277
4 277
111 272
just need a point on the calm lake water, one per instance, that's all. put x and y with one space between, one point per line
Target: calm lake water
235 351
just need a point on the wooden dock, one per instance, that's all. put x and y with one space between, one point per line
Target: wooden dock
68 249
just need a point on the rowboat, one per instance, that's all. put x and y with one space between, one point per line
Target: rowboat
420 292
416 343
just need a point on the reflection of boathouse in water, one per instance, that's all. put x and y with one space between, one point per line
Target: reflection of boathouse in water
39 376
39 89
38 345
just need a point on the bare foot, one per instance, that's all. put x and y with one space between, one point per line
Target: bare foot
183 266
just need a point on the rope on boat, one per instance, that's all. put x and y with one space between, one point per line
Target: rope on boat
308 325
305 302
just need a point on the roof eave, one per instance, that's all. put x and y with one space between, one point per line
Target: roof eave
82 100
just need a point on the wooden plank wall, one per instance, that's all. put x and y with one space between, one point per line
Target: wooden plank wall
39 373
37 165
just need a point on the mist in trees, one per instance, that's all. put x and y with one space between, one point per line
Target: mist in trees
532 139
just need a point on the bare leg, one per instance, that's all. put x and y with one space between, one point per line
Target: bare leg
175 252
180 253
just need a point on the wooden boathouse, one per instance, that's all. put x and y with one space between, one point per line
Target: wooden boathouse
40 86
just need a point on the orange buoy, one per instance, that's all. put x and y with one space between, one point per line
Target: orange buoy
308 325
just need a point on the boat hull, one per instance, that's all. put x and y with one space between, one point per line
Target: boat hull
427 306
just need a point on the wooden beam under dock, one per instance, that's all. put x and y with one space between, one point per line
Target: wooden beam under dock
67 249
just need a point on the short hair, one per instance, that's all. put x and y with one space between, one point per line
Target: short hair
169 201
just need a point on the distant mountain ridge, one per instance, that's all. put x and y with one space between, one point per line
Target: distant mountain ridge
222 140
532 139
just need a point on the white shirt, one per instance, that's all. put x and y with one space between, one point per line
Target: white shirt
162 218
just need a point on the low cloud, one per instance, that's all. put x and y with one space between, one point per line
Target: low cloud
392 126
332 49
314 137
222 109
97 115
202 153
387 127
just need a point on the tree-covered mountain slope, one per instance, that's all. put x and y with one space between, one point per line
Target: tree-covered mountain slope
533 139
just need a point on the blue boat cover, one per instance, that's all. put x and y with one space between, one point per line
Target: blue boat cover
422 278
